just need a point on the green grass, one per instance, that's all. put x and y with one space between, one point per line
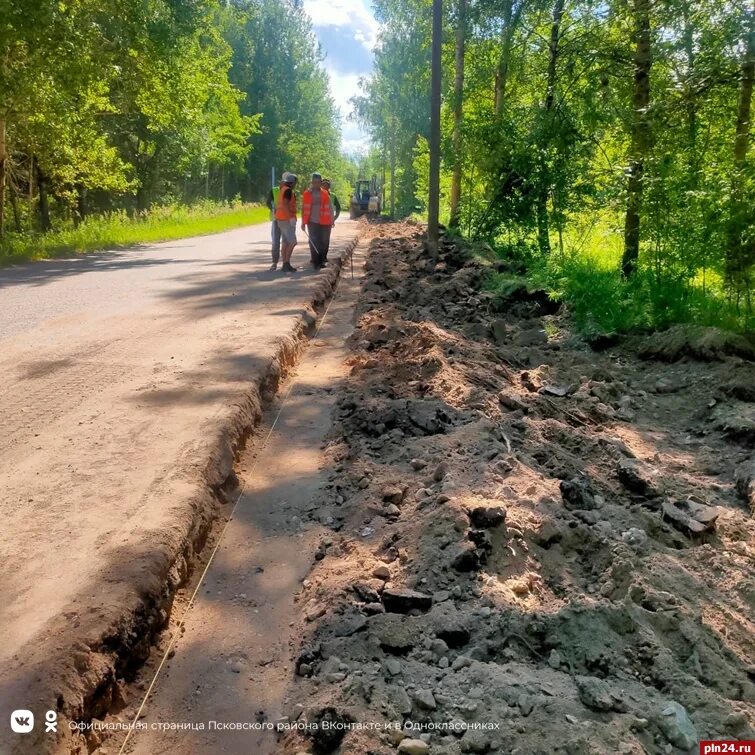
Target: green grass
586 278
117 230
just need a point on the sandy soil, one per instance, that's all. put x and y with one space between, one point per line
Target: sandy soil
129 377
539 546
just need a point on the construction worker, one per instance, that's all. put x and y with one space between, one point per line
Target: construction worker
272 203
316 216
335 211
285 217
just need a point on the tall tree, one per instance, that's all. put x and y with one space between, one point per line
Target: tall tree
458 110
740 255
641 135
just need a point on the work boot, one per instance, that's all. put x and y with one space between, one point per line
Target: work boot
288 268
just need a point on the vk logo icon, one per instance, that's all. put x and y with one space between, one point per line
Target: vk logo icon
22 721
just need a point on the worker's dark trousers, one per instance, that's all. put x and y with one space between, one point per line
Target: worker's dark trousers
318 250
326 229
276 236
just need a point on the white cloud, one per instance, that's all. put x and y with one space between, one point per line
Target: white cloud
343 87
353 15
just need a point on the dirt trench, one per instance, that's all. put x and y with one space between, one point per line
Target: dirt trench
536 547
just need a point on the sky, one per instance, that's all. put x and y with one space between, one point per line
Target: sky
347 31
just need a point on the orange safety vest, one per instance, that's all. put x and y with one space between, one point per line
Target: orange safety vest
285 209
326 218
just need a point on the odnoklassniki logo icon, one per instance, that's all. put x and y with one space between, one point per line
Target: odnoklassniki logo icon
22 721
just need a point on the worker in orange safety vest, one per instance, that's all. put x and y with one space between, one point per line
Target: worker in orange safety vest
316 216
285 217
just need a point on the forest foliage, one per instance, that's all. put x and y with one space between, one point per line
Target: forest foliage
118 105
607 144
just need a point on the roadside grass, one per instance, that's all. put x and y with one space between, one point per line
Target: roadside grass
117 230
586 277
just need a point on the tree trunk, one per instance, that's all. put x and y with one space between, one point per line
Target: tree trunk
643 62
692 128
44 205
461 32
433 199
502 74
14 205
544 187
393 173
81 202
3 159
740 255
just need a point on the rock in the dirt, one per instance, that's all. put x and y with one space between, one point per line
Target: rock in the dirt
597 694
452 629
350 624
466 558
577 493
398 700
394 633
487 517
676 724
461 661
394 493
511 402
639 478
393 666
555 390
746 482
736 419
499 330
635 538
397 600
330 729
531 337
413 747
392 511
475 740
366 592
424 699
417 464
382 572
706 344
440 471
690 517
547 534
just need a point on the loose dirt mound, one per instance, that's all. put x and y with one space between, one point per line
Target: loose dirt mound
526 534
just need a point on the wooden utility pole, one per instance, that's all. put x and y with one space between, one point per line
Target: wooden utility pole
434 198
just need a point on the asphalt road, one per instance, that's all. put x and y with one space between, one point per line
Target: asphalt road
112 365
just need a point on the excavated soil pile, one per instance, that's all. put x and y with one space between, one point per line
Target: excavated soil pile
553 544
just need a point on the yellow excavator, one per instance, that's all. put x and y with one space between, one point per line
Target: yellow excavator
365 200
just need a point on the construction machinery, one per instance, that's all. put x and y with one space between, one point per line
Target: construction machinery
365 200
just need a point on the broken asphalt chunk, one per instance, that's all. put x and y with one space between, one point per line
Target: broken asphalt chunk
398 600
690 517
639 478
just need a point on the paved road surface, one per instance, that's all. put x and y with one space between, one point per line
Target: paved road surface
111 366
